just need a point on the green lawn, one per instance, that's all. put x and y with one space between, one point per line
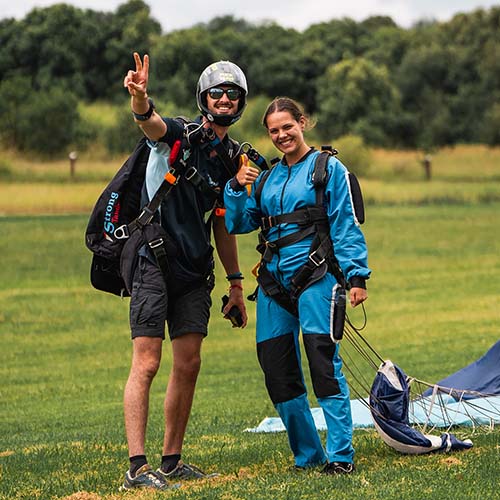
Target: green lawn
433 307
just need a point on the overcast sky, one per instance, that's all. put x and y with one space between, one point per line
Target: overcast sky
299 14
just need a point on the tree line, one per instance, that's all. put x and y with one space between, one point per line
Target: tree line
434 84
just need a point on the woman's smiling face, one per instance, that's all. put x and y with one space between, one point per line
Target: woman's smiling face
287 133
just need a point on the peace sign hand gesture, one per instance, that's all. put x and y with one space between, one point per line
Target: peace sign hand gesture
136 81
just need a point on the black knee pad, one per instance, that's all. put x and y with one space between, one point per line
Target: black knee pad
320 350
279 362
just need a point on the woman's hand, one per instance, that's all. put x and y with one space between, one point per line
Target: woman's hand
357 296
246 174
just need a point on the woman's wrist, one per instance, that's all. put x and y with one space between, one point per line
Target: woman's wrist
235 185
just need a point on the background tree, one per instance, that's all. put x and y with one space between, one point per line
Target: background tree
130 29
13 92
357 96
48 121
176 63
431 85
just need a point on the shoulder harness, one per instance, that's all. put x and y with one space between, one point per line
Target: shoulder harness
180 166
311 220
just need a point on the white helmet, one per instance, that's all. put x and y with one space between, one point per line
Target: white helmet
221 73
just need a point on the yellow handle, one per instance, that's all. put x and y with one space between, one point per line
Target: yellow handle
244 162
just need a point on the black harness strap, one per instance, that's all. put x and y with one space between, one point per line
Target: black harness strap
267 248
221 151
258 191
160 252
276 291
310 220
302 217
257 158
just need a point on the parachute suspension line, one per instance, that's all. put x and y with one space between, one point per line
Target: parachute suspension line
433 399
365 320
481 412
489 414
362 398
428 412
352 335
354 368
358 343
366 352
356 375
352 331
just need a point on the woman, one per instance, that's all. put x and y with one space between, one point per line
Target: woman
287 301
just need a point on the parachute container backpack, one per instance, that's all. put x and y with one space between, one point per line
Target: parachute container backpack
119 214
119 204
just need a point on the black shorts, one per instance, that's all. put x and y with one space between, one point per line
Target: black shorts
185 307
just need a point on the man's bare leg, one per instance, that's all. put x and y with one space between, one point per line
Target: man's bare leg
146 358
180 391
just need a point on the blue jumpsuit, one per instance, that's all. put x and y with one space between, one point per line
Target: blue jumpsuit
286 190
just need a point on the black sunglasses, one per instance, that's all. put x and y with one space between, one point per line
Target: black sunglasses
232 93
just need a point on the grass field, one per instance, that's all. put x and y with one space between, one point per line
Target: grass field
464 174
433 307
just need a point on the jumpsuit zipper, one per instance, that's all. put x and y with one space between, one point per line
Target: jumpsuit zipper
278 270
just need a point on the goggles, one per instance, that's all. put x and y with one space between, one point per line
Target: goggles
232 93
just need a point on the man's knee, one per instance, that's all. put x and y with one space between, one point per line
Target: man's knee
186 356
187 367
146 357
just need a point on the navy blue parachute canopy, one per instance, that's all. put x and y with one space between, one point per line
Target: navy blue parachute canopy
389 405
481 376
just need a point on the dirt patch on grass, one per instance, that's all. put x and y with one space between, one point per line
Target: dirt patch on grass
83 495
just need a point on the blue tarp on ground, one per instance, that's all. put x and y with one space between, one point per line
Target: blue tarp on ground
479 411
362 418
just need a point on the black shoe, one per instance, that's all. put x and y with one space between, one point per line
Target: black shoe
185 471
338 468
305 468
297 468
146 478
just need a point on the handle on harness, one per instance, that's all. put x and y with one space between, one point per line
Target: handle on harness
174 155
174 152
244 163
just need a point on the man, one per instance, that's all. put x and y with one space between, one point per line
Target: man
182 298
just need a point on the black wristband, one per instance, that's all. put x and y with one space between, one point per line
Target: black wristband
235 185
147 115
358 282
234 276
